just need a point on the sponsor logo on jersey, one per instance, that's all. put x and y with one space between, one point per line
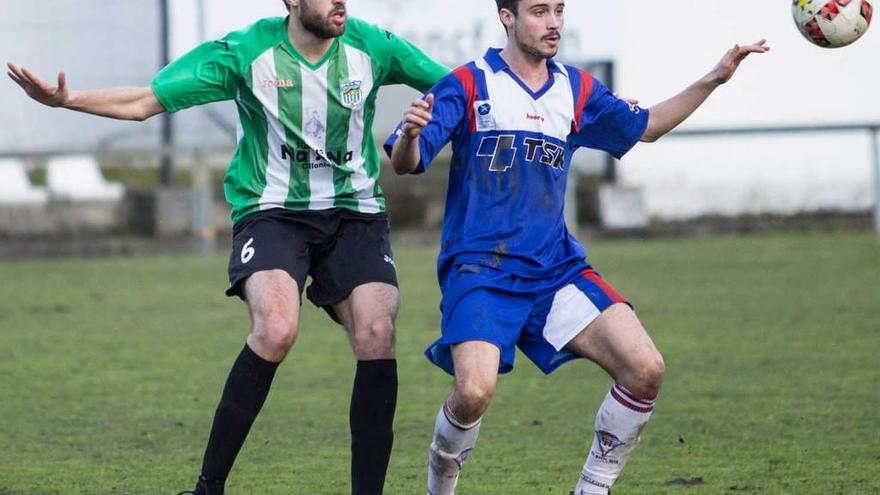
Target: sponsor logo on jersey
502 150
277 83
551 154
350 93
485 117
310 159
534 117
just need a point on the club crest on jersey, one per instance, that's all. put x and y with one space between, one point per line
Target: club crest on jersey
350 93
607 442
484 115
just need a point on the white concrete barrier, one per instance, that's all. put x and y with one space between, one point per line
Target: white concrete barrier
79 178
16 187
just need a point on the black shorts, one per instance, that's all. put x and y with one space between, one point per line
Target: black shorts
340 250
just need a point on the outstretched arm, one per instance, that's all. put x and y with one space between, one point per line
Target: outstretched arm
667 115
133 103
406 155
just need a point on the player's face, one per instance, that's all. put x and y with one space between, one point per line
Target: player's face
323 18
537 27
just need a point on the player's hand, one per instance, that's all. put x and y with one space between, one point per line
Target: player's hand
36 88
417 116
731 60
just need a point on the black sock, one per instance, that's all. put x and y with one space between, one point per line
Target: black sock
243 396
373 400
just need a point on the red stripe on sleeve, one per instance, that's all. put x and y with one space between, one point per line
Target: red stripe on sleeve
583 97
466 78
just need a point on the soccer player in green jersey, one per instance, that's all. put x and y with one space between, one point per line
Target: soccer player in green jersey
305 197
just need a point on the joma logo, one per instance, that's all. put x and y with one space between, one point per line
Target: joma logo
277 83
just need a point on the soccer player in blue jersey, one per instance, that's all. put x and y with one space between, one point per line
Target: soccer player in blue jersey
511 274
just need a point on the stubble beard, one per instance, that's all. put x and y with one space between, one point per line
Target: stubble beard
320 26
533 50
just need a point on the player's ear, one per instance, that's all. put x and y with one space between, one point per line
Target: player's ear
507 18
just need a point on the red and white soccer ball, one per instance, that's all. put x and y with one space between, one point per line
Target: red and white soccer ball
832 23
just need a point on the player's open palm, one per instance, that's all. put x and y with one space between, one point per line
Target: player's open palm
417 116
36 88
731 60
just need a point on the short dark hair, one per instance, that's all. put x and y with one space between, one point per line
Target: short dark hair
510 5
507 4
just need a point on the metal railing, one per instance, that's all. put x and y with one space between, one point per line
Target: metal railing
871 128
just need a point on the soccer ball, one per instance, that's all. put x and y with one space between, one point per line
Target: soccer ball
832 23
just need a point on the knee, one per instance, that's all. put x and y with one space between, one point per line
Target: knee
647 376
375 339
472 398
275 333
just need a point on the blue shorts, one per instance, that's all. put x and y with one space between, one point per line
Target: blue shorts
540 317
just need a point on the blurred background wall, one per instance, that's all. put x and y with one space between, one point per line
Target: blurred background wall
652 51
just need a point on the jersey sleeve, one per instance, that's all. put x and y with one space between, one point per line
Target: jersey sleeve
447 119
210 72
410 66
605 122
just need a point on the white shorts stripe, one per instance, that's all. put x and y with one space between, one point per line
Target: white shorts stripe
571 312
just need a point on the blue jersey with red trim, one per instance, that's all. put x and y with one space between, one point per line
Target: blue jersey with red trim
512 149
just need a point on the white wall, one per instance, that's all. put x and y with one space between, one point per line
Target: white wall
98 43
669 44
454 31
659 47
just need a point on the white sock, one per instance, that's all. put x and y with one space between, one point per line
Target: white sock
453 442
618 425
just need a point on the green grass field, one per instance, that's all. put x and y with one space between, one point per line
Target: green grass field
110 371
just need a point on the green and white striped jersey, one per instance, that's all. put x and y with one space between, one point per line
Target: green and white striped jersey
305 135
